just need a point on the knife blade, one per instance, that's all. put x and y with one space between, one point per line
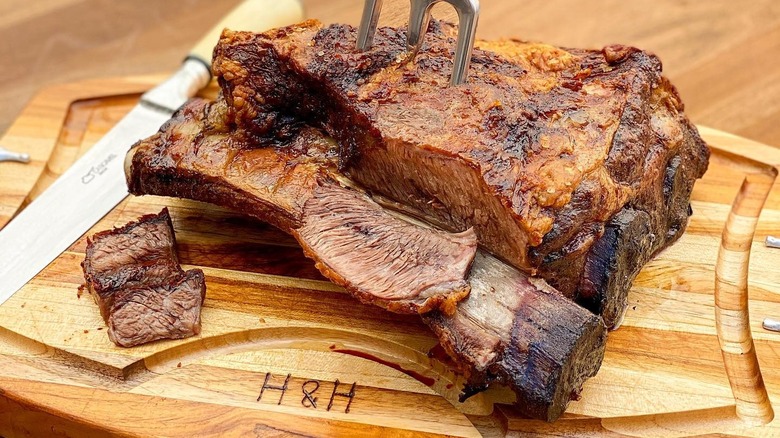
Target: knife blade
95 184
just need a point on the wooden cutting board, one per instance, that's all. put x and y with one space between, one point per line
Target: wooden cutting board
353 369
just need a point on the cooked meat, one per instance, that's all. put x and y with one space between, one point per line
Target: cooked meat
358 245
392 264
511 329
160 310
542 152
134 275
521 332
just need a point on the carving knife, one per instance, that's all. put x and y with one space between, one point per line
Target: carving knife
95 183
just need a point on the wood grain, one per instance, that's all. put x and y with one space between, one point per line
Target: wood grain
731 300
268 311
723 55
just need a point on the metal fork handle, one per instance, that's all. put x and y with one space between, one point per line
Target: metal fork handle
468 17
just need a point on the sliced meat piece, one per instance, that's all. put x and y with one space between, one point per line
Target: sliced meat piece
149 312
386 259
134 275
537 152
511 329
139 252
289 185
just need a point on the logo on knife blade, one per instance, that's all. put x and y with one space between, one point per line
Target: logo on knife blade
97 170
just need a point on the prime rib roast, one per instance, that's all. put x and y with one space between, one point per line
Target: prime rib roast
510 328
573 165
571 168
134 275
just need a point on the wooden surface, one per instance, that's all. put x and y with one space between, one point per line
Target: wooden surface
663 374
732 298
724 55
269 311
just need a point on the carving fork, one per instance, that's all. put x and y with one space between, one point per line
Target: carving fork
468 15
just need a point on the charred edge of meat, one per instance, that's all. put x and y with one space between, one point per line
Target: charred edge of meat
614 261
146 179
169 310
148 173
547 383
520 332
633 236
655 218
297 96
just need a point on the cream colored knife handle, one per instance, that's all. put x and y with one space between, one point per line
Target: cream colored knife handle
251 15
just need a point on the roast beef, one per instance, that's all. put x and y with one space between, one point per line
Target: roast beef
134 275
511 329
575 165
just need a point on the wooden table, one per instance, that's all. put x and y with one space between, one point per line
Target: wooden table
723 55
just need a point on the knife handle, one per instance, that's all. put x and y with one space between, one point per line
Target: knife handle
251 15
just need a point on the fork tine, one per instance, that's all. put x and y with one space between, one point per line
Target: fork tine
419 17
468 17
368 24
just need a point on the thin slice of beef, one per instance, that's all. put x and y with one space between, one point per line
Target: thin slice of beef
150 311
511 329
139 252
399 267
134 275
539 152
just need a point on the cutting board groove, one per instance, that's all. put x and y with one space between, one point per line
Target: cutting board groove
270 313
